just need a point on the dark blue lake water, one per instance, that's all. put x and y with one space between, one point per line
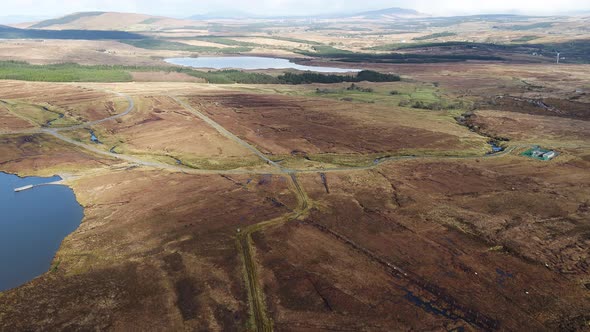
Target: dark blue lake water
33 223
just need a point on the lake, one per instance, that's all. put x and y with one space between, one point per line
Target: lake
251 63
33 223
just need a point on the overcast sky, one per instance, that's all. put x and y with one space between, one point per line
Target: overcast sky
184 8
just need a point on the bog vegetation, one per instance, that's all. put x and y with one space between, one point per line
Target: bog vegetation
347 56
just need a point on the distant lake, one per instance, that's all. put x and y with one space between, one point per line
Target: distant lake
251 63
33 223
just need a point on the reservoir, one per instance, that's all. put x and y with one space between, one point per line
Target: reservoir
251 63
33 223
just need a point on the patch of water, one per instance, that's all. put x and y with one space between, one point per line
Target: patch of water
33 223
251 63
93 138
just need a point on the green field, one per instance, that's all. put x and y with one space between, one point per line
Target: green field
524 39
397 94
436 35
12 70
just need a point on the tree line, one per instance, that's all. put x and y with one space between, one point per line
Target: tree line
309 77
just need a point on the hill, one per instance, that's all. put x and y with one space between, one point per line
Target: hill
228 14
141 22
110 21
64 20
372 15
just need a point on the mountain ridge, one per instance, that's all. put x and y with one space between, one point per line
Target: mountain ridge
108 21
390 12
100 20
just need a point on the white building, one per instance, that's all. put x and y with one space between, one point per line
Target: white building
549 155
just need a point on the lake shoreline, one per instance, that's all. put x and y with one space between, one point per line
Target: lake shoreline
241 62
34 226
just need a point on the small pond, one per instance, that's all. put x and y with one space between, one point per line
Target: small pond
251 63
33 223
495 147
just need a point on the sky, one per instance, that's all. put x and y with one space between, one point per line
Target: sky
185 8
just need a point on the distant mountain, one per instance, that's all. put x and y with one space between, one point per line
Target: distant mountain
110 21
64 20
390 13
227 14
372 15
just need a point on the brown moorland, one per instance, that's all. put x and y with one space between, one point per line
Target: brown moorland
283 125
75 102
438 242
484 245
155 250
162 129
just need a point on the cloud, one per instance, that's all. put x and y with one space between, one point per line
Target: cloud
182 8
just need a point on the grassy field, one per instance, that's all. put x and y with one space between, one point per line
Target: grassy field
404 94
436 35
10 70
525 39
